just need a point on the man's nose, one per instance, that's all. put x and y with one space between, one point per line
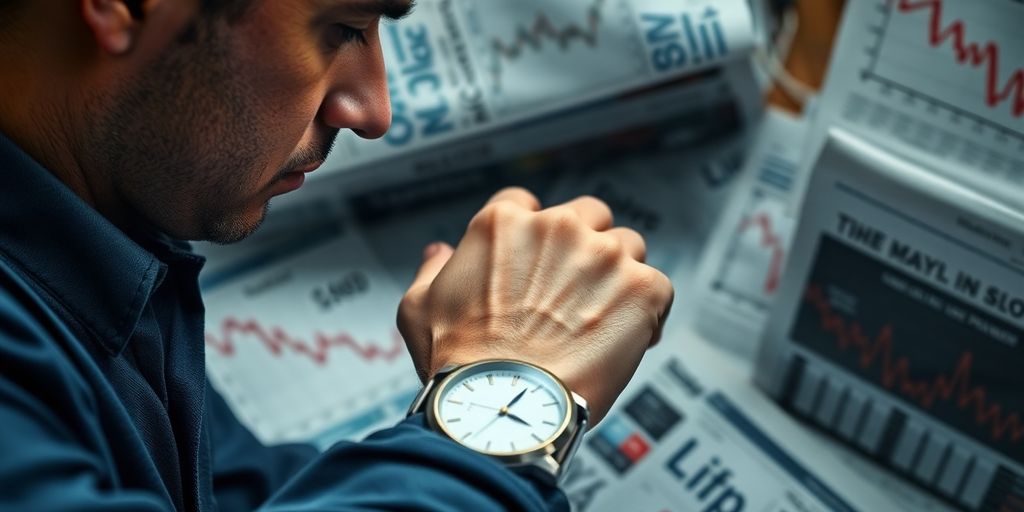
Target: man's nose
359 99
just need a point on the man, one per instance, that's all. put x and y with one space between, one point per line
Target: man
128 125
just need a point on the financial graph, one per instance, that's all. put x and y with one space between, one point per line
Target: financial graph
304 344
545 31
961 56
752 268
954 386
537 51
279 343
879 324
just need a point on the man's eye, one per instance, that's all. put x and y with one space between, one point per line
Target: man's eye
340 35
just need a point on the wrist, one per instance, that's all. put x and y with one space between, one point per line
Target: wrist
513 411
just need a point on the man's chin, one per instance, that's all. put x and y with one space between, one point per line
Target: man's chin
235 229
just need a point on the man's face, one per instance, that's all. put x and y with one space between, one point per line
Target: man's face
233 113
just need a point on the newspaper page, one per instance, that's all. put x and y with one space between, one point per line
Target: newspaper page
691 433
301 338
698 109
899 327
939 81
464 67
741 268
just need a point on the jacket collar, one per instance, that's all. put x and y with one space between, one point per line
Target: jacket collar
87 267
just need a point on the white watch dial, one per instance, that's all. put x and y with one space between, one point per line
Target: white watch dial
502 408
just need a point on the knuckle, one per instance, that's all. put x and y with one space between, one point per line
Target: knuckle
607 248
411 301
635 238
521 192
594 201
493 215
560 221
653 284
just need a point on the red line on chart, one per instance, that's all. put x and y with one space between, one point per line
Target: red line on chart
955 387
276 341
972 53
772 242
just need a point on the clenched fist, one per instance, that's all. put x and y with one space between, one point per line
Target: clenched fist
559 287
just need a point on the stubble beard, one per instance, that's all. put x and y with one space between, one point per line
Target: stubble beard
179 146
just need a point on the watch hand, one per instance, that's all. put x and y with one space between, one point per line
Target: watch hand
517 419
487 425
474 404
516 399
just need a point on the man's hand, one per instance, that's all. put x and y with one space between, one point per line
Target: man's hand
559 287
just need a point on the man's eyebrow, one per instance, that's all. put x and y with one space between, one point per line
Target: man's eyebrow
390 9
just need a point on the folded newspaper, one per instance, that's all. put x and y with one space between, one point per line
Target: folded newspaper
458 68
899 326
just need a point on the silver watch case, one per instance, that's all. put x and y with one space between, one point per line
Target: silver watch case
552 459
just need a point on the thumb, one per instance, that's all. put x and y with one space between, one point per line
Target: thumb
435 256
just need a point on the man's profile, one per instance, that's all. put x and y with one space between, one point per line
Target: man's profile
130 126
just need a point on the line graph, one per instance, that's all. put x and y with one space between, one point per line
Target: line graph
752 266
533 36
892 331
977 55
543 29
277 342
953 56
537 51
955 387
291 368
771 242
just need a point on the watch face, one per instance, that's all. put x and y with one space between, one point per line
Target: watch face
502 407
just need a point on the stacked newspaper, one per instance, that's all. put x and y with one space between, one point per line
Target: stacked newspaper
474 82
897 327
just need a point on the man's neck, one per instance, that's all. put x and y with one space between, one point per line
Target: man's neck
41 120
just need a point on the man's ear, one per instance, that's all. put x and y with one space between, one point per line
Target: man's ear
112 24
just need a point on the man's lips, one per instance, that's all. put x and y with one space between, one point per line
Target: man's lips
310 167
293 179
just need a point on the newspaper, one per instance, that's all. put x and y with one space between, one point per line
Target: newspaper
741 268
899 326
691 433
460 68
939 81
300 336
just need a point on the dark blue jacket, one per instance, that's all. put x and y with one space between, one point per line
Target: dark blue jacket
104 403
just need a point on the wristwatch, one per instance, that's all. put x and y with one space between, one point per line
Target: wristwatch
514 411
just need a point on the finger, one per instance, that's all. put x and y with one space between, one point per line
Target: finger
632 242
664 296
517 195
662 318
594 212
435 256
